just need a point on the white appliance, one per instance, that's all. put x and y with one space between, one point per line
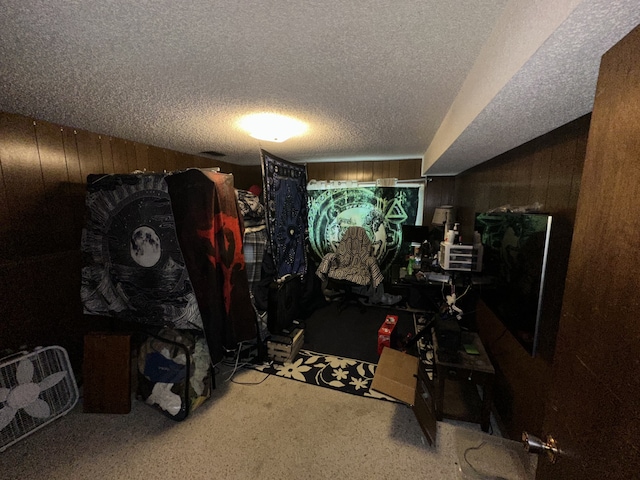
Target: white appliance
35 388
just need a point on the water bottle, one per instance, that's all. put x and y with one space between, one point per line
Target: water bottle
457 239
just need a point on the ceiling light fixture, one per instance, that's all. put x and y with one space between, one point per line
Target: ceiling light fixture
272 127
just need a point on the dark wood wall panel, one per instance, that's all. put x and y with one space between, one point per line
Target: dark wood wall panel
23 180
157 157
439 191
118 155
24 186
89 153
245 176
71 154
107 155
50 145
57 212
365 171
545 170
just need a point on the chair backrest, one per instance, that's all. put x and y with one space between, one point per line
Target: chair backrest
355 244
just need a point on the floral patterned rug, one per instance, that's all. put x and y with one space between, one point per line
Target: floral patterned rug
343 374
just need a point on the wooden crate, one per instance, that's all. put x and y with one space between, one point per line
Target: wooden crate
283 349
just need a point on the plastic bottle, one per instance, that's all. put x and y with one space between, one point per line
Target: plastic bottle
457 239
410 265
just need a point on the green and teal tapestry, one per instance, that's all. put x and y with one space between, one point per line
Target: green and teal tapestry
380 210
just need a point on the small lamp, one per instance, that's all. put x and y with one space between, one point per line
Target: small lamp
444 216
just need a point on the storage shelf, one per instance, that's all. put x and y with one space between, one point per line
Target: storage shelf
467 258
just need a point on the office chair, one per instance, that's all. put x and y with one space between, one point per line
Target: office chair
351 267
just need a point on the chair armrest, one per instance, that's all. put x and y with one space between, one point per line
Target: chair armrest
325 265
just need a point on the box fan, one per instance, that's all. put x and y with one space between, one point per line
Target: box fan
35 389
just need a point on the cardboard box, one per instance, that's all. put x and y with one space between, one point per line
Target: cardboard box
386 332
396 375
399 376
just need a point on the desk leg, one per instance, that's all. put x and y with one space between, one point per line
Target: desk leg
487 399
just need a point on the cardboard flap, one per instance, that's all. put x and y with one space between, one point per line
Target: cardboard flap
396 375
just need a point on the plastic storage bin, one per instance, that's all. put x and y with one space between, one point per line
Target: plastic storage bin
467 258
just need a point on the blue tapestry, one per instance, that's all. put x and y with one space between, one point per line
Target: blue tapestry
285 190
380 210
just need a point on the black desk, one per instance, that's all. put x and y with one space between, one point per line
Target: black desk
420 294
466 370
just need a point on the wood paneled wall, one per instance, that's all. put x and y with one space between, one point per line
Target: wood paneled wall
43 170
546 170
439 191
365 171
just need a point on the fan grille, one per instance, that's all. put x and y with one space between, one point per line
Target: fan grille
61 397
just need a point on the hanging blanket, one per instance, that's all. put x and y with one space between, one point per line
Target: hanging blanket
133 268
208 227
285 188
352 261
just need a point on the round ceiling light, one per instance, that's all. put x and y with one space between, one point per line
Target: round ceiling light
272 127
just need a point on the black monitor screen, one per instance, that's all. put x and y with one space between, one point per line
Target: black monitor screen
515 252
414 233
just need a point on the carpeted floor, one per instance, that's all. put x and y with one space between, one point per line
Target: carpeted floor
352 333
256 426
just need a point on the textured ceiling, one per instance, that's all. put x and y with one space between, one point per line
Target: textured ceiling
455 82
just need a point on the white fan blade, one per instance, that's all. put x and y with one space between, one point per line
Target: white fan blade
38 409
6 415
51 380
24 372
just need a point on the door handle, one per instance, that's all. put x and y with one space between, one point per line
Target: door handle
533 444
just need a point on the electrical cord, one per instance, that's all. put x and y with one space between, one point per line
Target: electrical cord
464 293
251 383
480 446
235 365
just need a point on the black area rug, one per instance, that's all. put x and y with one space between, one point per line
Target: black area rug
338 373
352 333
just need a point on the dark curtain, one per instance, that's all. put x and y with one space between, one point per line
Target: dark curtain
208 227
